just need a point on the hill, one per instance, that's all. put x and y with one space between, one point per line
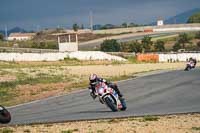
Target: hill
182 18
14 30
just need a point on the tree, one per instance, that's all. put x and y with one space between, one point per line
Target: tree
195 18
82 26
133 25
183 39
146 43
176 46
108 26
198 44
124 25
110 46
159 46
1 37
136 47
75 27
133 46
126 47
197 36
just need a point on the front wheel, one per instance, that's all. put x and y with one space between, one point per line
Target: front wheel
187 68
123 102
5 116
111 104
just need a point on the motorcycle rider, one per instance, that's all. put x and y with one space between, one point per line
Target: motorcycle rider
195 62
192 62
94 79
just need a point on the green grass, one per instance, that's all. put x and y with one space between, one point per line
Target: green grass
3 72
8 92
100 131
196 128
27 131
150 118
70 131
6 130
31 44
132 60
31 81
117 62
113 121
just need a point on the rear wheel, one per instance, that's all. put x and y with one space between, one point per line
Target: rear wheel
111 104
5 116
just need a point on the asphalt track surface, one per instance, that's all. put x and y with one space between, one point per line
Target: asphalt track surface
122 39
162 93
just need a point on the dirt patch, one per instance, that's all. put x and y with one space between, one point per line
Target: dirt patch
7 78
123 69
27 93
188 123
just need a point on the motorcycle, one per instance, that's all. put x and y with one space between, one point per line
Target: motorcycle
189 65
109 96
5 116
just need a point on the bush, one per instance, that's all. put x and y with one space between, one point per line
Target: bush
1 37
75 27
198 44
159 46
126 47
136 47
110 46
38 45
133 46
146 43
197 36
177 46
184 39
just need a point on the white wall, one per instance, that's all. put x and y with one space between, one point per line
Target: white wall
94 55
19 38
178 57
32 56
81 55
68 46
171 27
177 29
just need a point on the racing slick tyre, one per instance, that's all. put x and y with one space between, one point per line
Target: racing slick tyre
5 116
111 104
123 102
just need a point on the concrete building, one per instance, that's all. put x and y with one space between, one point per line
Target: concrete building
160 22
67 42
21 36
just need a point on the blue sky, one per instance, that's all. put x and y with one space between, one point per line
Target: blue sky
33 14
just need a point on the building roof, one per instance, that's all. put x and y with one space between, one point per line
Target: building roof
22 34
62 34
160 19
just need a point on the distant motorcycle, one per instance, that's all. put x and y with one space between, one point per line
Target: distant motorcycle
5 116
190 65
109 96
